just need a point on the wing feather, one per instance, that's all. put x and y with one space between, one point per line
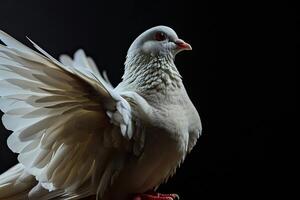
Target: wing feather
57 112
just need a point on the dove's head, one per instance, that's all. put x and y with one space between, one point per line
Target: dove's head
150 60
159 41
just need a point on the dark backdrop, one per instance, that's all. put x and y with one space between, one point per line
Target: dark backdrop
241 71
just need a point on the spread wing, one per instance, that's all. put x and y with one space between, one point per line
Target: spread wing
58 115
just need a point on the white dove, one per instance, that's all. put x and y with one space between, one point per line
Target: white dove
77 136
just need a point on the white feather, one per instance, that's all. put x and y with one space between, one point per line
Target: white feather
56 121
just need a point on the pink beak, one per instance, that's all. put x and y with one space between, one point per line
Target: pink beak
182 45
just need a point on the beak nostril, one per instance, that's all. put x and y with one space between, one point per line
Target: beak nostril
179 42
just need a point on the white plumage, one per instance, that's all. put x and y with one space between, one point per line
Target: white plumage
78 136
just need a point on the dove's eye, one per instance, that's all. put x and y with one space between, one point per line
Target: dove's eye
160 36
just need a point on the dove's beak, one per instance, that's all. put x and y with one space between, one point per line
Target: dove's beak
182 45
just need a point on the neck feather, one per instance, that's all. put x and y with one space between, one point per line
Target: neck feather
144 72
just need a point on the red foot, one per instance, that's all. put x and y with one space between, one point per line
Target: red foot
156 196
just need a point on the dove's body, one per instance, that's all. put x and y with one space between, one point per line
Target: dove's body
166 144
68 147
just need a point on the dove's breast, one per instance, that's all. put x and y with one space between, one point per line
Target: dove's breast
175 123
166 144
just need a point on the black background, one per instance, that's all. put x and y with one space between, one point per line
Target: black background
242 71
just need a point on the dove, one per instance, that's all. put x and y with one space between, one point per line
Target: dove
77 136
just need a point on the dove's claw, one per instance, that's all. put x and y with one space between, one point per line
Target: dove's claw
173 196
156 196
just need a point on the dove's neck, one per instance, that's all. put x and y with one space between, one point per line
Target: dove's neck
146 73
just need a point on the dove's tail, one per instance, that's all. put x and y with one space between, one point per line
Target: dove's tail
15 183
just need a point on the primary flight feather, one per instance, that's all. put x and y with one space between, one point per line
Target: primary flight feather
77 135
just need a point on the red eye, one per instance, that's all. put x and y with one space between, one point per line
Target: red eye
160 36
